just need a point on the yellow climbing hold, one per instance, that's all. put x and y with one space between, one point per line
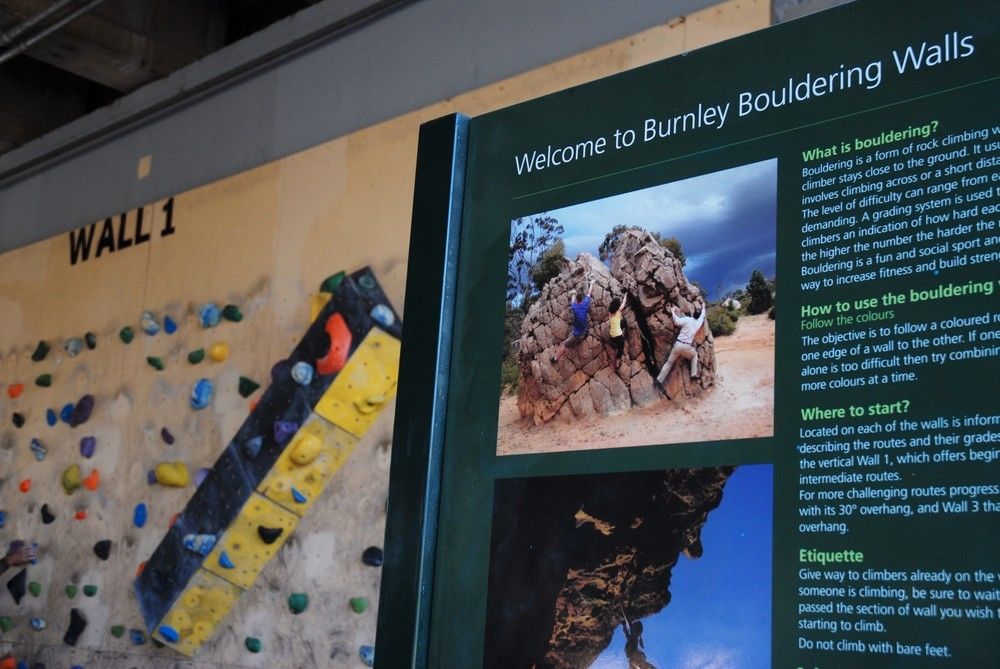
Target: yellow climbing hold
318 302
243 543
198 611
218 351
305 448
72 479
173 474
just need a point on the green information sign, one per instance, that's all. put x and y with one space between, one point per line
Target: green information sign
701 362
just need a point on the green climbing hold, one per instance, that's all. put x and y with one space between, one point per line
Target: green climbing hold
90 590
126 334
72 479
253 644
6 624
118 631
231 312
43 380
297 602
331 283
359 604
196 356
247 386
155 362
71 591
35 588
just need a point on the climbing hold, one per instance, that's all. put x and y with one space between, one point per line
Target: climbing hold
359 604
148 324
305 449
18 585
172 474
82 411
80 515
202 544
47 515
71 591
151 476
3 519
297 602
66 413
253 644
102 549
126 334
87 447
298 496
24 485
201 396
73 346
284 429
142 565
77 623
224 561
35 588
209 315
38 450
14 390
41 351
279 370
302 373
218 351
169 325
367 281
332 282
167 437
252 447
367 655
72 478
155 362
196 356
139 515
118 631
340 345
37 624
17 419
90 590
6 624
173 519
91 340
201 475
269 534
43 380
93 480
369 404
169 633
138 637
383 315
247 386
232 313
50 417
372 556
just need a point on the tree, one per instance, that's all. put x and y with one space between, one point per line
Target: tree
529 239
673 245
760 293
606 249
549 265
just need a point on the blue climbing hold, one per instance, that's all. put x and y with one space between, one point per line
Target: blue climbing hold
66 415
138 637
169 633
202 544
302 373
383 315
51 418
140 514
151 476
367 655
298 496
148 323
200 476
3 518
73 347
38 450
225 562
252 447
169 325
37 624
201 396
209 315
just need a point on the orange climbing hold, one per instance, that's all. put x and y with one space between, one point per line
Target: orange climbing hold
14 390
173 519
80 515
340 345
141 568
253 403
9 662
93 480
25 485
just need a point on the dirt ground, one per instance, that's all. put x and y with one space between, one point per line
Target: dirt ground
740 406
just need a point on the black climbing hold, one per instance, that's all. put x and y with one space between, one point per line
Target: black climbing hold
18 420
91 339
77 623
167 437
247 387
269 534
372 556
18 585
47 515
82 411
41 351
102 548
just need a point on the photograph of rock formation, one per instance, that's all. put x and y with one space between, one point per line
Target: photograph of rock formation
643 318
645 570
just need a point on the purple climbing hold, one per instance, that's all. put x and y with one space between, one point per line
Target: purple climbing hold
82 411
167 437
200 476
140 514
51 418
284 429
87 447
3 519
169 325
151 476
280 370
66 413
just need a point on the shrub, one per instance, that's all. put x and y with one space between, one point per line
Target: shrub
510 376
720 321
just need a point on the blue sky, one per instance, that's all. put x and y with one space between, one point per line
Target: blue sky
719 616
724 220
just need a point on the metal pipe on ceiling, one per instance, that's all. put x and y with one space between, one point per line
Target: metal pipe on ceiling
24 45
8 36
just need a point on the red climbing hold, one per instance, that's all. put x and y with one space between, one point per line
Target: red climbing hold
93 480
14 390
25 485
340 345
140 569
173 519
80 515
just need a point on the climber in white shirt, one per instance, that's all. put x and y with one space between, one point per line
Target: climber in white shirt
684 346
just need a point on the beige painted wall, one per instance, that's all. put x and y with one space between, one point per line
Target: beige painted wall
264 240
